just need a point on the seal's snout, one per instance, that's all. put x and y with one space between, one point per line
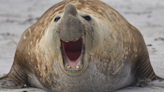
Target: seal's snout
70 32
70 28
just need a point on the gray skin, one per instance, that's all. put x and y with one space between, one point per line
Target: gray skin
114 54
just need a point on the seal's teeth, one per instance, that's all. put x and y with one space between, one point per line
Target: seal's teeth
66 41
77 67
68 66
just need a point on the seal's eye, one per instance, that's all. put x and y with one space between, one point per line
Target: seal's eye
88 18
56 19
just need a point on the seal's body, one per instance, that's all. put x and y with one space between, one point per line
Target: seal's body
80 46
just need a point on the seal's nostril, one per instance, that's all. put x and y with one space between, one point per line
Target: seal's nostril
88 18
56 19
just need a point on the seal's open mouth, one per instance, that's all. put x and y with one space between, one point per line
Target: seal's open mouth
72 52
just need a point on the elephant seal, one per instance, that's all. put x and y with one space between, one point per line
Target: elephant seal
80 46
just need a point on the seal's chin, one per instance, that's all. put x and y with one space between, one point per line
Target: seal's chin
72 55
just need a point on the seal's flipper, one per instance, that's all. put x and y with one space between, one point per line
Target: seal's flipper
145 72
16 78
5 83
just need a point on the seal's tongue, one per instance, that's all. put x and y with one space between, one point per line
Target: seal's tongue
72 50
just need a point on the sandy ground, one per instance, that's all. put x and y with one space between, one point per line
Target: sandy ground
146 15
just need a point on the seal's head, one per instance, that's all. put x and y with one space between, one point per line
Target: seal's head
75 34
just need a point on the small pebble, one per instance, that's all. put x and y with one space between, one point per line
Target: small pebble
149 45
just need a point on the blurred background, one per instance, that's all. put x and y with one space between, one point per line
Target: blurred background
17 15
